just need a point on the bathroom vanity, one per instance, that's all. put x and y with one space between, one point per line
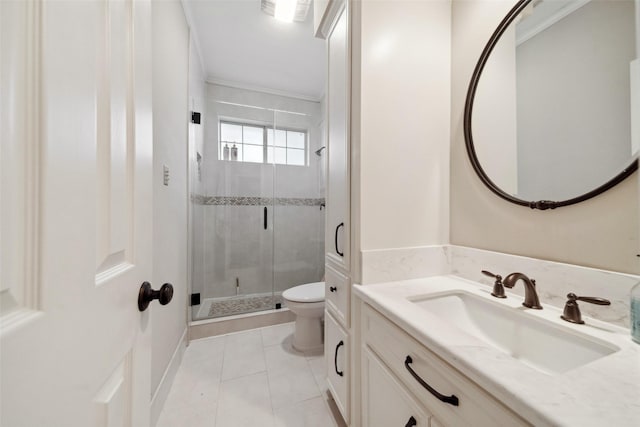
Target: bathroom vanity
443 351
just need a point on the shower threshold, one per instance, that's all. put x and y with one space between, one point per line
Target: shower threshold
240 304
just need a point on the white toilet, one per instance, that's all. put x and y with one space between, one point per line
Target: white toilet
307 303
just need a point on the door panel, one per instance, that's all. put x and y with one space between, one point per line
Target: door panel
19 166
81 356
114 141
113 401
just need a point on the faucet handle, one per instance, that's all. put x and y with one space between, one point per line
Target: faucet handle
490 274
498 289
592 300
572 310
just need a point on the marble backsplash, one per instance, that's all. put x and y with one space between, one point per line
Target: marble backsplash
554 280
387 265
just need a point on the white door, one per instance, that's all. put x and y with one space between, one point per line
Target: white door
75 199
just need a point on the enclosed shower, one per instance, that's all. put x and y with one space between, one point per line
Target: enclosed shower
257 201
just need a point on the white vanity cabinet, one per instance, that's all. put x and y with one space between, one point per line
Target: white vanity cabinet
393 360
337 353
385 401
335 25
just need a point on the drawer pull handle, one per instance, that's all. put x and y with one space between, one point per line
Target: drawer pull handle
336 239
451 400
412 422
333 289
335 359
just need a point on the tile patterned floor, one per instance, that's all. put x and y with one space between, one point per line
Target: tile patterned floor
243 304
251 378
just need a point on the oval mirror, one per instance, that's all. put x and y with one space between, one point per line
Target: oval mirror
552 115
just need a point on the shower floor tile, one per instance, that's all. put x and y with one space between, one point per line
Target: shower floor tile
212 389
243 304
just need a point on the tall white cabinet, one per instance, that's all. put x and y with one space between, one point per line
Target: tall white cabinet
334 24
388 130
337 216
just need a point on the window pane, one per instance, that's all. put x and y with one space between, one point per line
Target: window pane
253 153
252 135
295 139
281 156
285 147
281 138
295 157
230 133
269 136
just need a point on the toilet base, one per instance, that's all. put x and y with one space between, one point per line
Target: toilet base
308 334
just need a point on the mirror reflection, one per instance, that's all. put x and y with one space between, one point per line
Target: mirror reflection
556 108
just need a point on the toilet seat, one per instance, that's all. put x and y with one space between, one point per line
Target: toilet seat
308 293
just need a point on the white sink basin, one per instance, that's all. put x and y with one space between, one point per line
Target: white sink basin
538 343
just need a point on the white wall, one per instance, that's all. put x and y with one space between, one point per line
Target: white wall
170 119
402 138
601 232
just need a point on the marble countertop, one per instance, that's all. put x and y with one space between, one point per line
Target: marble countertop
605 391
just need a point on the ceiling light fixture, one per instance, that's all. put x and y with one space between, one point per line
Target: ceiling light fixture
287 10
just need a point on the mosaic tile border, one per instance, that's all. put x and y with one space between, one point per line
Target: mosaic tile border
255 201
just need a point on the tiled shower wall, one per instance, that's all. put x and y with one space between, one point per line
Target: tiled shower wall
229 237
235 245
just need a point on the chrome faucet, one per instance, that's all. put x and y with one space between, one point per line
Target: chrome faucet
530 294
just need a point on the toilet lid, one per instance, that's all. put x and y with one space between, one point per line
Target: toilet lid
311 292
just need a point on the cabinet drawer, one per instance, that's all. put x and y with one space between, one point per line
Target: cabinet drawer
385 402
337 294
475 406
337 357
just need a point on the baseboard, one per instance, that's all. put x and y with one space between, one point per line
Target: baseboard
161 393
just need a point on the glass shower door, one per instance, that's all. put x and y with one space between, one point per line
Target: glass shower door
257 206
233 262
298 238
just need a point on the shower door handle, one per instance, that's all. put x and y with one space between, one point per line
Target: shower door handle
265 217
336 239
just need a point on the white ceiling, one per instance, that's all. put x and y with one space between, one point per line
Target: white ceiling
241 45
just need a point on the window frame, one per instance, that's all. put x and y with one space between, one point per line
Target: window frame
265 141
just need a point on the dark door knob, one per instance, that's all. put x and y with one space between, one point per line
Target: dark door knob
147 294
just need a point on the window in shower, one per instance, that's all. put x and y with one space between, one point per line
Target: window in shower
263 144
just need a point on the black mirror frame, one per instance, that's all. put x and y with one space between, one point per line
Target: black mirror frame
468 136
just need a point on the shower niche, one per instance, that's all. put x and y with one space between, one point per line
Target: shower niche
257 205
